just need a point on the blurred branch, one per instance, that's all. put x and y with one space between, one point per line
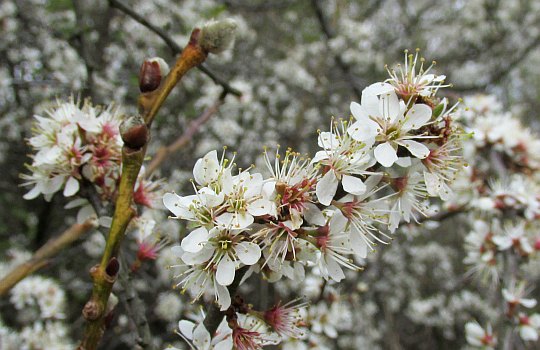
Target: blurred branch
135 308
175 48
164 151
330 34
43 255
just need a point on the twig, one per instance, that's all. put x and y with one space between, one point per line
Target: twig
175 48
135 308
42 255
164 151
135 134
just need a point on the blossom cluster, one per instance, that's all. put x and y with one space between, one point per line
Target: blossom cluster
502 192
40 309
76 145
372 172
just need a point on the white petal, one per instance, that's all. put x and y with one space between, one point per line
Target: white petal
528 333
71 187
326 187
313 214
33 193
328 140
358 244
385 154
364 131
378 89
235 220
225 344
206 169
432 183
417 116
353 185
186 328
334 270
528 303
193 242
200 257
225 271
223 297
53 185
85 213
417 149
201 337
338 222
404 162
248 253
260 207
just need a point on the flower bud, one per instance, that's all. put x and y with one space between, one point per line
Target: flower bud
217 36
134 132
152 71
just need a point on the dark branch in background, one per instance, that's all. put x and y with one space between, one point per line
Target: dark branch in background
330 34
135 307
175 48
43 255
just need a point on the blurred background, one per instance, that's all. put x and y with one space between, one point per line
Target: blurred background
296 64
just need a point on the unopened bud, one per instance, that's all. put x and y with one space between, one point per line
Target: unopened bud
217 36
152 71
134 132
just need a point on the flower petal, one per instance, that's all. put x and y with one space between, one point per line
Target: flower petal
193 242
417 149
326 187
223 297
225 271
417 116
201 337
71 187
186 328
385 154
248 253
353 185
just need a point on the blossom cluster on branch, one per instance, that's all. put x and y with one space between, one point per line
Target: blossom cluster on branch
373 171
502 190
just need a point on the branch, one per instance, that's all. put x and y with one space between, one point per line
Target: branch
135 308
175 48
42 255
163 152
135 134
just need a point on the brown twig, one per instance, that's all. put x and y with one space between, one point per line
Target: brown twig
135 134
164 151
43 255
175 48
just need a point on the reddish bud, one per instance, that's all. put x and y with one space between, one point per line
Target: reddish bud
152 72
134 132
